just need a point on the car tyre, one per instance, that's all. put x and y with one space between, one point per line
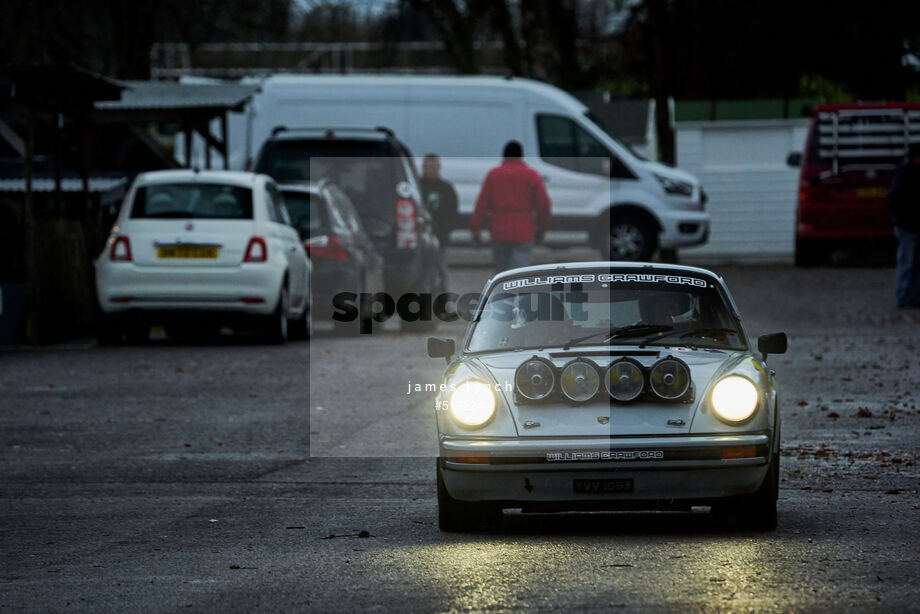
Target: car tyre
276 325
756 511
302 327
459 516
631 238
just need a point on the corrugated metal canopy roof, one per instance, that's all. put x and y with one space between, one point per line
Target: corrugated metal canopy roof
68 184
140 95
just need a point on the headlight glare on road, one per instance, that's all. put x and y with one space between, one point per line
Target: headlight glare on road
472 403
734 399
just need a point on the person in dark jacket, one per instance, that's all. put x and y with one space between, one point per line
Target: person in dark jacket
513 203
440 199
904 204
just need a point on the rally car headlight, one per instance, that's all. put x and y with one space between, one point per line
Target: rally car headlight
734 399
472 403
580 380
624 379
669 378
534 379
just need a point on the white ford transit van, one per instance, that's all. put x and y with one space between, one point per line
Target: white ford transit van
601 192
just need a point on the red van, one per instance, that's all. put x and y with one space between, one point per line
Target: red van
850 155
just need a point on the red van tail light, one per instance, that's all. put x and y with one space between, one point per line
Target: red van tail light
120 250
406 223
814 193
326 247
256 251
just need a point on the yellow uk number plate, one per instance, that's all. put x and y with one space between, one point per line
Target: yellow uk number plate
187 251
871 192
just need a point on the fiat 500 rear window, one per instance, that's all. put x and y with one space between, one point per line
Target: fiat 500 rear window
192 200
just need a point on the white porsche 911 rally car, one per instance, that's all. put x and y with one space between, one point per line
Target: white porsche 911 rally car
607 386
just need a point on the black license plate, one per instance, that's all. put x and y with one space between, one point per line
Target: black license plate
602 487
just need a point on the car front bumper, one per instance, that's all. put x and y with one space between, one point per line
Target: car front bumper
518 472
682 228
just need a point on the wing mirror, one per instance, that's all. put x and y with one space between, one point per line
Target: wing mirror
794 159
774 343
440 347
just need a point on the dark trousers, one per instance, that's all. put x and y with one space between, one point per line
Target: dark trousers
510 256
908 268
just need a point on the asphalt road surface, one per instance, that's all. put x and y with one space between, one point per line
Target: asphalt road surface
173 477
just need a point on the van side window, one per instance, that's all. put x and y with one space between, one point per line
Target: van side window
565 144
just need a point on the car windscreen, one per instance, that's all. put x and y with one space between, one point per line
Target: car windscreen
306 210
198 200
605 309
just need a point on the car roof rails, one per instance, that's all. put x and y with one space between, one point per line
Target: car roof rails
331 130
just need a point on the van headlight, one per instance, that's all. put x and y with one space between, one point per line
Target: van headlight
472 403
675 186
734 399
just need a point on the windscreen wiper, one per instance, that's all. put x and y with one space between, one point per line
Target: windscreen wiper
620 331
683 334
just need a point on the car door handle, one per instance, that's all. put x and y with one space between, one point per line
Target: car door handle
545 178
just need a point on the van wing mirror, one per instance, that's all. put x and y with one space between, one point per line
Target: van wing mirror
794 159
774 343
441 347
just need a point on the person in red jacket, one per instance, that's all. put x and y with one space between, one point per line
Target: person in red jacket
513 203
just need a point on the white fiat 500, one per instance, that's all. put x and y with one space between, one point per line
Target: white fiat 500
607 386
195 250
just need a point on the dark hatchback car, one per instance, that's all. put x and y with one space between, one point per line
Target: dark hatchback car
377 173
344 257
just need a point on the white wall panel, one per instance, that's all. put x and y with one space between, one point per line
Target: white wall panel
752 193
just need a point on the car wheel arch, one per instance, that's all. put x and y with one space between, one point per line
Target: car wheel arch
631 209
625 210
